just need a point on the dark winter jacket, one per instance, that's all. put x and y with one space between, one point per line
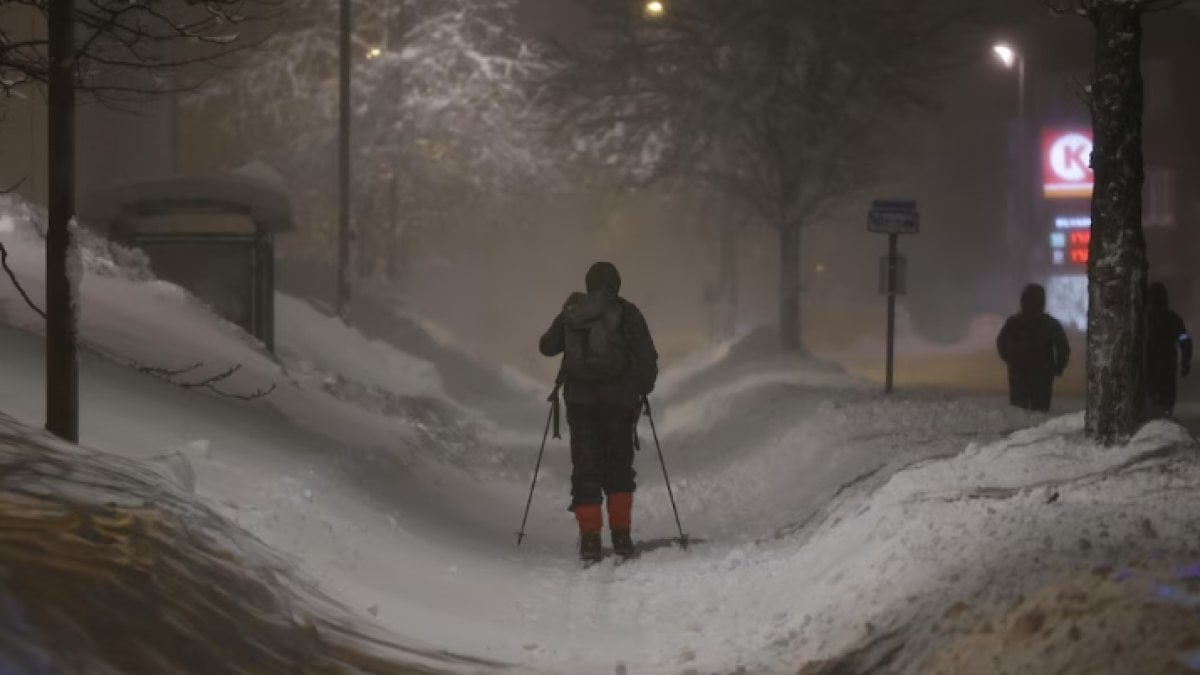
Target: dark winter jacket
1167 338
641 369
1032 342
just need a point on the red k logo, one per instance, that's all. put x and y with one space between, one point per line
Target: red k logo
1066 159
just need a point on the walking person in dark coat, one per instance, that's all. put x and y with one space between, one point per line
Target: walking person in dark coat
1034 346
609 366
1167 340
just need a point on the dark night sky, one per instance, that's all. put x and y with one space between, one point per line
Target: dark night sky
953 158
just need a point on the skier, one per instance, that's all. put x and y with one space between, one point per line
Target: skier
1034 346
1166 339
609 366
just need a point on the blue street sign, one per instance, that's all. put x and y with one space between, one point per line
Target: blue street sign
892 216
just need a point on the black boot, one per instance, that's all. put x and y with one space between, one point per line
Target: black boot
590 548
623 544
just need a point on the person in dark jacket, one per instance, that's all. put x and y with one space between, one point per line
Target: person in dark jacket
609 366
1167 340
1034 347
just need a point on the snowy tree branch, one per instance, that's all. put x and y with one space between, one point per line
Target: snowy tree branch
133 49
209 383
20 289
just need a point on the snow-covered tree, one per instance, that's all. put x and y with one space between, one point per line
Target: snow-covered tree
780 105
1117 264
442 107
111 50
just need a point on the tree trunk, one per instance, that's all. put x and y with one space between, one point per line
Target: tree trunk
343 238
392 247
728 278
1117 255
789 286
62 377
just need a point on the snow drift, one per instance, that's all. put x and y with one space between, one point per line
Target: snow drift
108 569
833 526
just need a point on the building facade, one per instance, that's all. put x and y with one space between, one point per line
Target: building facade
1050 232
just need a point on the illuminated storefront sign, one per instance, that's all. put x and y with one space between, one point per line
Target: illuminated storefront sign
1073 223
1066 160
1070 240
1067 299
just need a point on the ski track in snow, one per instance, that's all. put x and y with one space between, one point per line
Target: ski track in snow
824 514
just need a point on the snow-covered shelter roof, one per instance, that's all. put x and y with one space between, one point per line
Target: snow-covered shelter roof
252 193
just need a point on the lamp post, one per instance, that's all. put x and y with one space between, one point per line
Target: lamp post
343 243
1019 223
1009 57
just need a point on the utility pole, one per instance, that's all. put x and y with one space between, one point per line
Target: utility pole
62 370
343 248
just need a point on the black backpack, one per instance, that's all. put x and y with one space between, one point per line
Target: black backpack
595 348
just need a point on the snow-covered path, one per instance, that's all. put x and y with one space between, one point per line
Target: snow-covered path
450 575
824 514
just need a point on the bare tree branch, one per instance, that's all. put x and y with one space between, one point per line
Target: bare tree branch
779 105
168 372
17 284
211 380
15 186
130 50
209 383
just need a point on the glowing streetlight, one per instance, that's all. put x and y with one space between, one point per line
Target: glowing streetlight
1005 53
1008 56
655 9
1023 160
374 53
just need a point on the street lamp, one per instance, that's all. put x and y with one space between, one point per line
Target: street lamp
374 53
1009 57
655 9
1023 164
1005 53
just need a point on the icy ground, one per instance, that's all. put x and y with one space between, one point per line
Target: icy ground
828 522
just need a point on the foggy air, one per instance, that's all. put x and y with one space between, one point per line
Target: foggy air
599 336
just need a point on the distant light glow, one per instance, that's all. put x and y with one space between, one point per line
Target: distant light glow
374 53
1067 299
655 8
1058 240
1060 256
1073 223
1005 53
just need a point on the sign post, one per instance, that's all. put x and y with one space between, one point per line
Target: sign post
893 218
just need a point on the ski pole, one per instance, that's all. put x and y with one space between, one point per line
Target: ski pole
537 467
683 538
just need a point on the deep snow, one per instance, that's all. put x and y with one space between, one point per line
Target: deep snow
826 516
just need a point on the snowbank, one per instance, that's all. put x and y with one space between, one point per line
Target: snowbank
915 560
980 336
312 343
830 523
107 569
1140 619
